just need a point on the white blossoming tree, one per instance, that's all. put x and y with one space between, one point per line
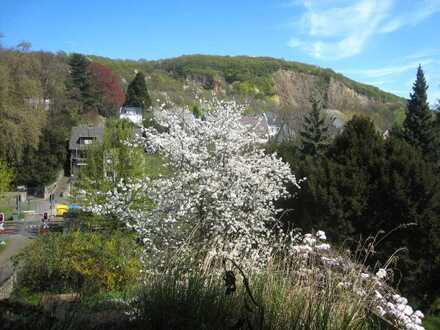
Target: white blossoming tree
220 193
217 198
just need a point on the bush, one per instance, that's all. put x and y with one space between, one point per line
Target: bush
91 262
8 212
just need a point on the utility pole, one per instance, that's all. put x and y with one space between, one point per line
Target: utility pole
18 202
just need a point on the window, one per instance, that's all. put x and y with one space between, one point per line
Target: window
86 140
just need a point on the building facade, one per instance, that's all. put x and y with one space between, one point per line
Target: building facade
81 138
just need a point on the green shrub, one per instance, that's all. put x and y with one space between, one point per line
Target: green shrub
432 323
8 212
92 262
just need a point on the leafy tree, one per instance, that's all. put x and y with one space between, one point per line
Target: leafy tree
315 134
22 116
106 89
137 93
5 177
41 165
112 160
418 127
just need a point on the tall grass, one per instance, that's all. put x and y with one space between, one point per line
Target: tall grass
286 297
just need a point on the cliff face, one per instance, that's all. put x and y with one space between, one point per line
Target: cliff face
296 90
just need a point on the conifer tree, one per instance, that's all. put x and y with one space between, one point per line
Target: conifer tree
78 72
315 133
418 125
137 93
80 86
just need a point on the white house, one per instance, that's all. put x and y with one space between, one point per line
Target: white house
133 114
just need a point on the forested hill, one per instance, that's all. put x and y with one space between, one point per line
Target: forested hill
267 84
42 95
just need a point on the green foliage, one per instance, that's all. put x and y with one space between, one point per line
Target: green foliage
42 165
113 160
197 111
90 262
22 116
79 81
8 211
315 134
364 184
418 124
432 323
6 177
34 136
137 93
257 71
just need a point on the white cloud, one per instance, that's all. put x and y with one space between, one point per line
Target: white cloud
339 29
390 71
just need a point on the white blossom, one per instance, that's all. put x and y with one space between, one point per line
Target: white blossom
220 192
381 273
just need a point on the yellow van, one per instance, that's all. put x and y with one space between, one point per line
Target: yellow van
60 209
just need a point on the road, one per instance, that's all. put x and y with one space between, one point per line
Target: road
19 233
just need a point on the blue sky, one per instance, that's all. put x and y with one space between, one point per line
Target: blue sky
379 42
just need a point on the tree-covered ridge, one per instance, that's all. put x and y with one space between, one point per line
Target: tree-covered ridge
247 68
240 69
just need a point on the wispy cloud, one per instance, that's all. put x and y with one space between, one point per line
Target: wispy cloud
340 28
390 71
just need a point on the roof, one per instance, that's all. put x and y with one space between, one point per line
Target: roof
84 131
258 124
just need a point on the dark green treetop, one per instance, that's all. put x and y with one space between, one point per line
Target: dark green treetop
314 136
137 93
418 125
78 72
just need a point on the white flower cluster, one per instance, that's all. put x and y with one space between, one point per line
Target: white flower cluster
390 306
221 190
397 309
311 244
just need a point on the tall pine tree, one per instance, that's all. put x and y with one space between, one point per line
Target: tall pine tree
80 86
315 132
137 93
78 72
418 127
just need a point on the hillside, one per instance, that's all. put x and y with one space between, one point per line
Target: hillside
265 83
39 101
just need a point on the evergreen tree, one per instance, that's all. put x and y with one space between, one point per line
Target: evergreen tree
364 184
137 93
418 125
315 133
78 72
